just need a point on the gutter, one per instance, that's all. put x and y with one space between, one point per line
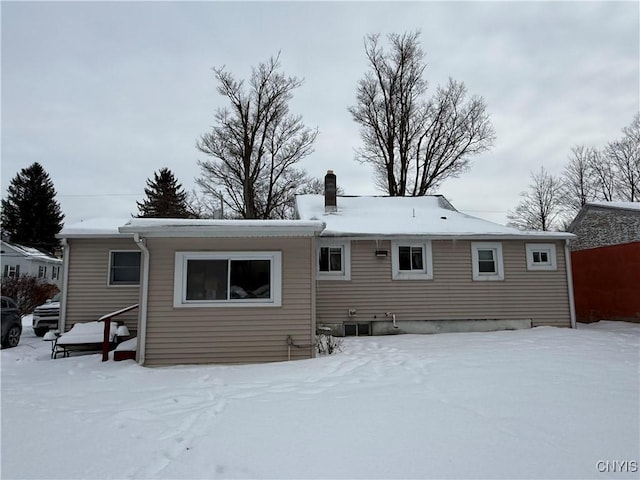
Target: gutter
144 300
62 320
567 261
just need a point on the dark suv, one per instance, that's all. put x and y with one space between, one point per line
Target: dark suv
11 322
46 316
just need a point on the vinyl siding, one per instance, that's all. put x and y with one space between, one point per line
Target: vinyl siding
230 334
89 297
540 296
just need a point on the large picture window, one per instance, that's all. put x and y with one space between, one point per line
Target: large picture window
227 278
124 268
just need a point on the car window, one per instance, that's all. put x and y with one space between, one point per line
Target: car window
56 298
5 304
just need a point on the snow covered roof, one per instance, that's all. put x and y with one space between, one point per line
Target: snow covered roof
178 227
431 216
30 252
97 227
618 205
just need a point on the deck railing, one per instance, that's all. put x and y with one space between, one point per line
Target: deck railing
107 328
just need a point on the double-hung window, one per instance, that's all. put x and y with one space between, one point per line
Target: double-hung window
11 271
411 260
334 259
124 268
42 271
227 279
487 261
541 256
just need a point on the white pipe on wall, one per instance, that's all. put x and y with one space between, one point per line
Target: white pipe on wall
62 320
567 261
142 330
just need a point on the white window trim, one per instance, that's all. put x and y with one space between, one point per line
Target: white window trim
477 275
180 279
117 285
427 261
345 273
549 248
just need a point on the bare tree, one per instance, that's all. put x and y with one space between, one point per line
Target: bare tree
414 143
256 144
578 182
604 176
456 130
624 155
316 186
540 205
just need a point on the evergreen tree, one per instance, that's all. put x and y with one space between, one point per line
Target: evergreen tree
165 198
30 214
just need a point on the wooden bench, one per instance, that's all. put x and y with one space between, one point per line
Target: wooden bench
84 337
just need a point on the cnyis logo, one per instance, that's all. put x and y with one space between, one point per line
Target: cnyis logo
617 466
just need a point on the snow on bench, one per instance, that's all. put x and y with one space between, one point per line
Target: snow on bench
85 337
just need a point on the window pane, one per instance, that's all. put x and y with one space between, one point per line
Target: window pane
485 255
486 263
544 257
416 258
125 268
335 259
207 279
250 279
404 258
536 257
324 259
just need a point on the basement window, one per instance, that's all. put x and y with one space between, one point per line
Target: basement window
357 329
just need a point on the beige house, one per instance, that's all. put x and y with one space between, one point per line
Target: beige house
417 265
209 291
238 291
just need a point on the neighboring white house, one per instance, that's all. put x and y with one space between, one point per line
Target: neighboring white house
16 260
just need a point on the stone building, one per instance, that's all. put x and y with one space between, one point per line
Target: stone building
606 261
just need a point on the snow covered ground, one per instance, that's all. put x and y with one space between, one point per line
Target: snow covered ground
540 403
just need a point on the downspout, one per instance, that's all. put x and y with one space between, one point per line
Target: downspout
567 261
65 285
142 328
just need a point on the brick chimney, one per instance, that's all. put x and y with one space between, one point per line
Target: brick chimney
330 192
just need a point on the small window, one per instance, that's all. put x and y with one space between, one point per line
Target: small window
487 261
357 329
541 256
334 260
210 279
330 259
411 261
11 271
42 271
124 268
55 273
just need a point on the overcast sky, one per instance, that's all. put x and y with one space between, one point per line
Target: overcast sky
105 94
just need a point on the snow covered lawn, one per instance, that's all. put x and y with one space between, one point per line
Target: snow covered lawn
540 403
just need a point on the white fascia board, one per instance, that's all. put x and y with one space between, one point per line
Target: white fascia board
226 229
89 234
549 236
